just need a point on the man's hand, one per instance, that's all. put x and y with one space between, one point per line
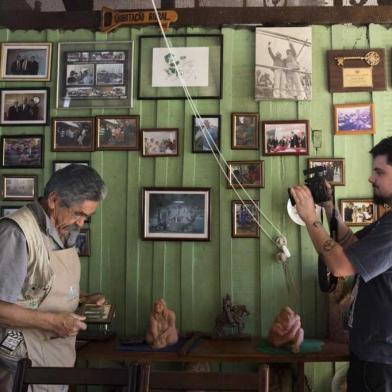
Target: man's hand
96 299
304 203
67 324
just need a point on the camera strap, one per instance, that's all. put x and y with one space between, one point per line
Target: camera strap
328 281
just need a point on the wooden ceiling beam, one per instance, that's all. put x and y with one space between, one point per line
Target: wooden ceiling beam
209 17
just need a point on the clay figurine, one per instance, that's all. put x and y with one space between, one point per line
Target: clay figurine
287 330
162 326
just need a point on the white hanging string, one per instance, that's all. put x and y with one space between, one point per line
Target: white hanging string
217 153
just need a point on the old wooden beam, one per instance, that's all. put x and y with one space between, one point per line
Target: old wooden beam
210 17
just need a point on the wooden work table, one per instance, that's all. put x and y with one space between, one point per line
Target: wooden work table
209 350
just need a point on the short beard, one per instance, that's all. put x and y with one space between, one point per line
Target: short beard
379 200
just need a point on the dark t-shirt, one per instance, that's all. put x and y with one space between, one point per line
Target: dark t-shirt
371 332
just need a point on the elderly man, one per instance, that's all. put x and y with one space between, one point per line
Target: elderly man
40 271
368 255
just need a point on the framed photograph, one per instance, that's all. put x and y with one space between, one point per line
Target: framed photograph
206 133
57 165
358 212
73 134
354 119
283 63
117 132
160 142
176 214
249 174
22 106
245 131
352 70
19 187
82 243
97 314
8 210
334 168
196 57
382 209
243 224
286 137
22 151
25 61
94 74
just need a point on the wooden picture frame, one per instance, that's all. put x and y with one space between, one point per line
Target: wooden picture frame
358 212
354 119
160 142
176 214
250 174
22 151
245 131
97 314
335 173
26 61
94 74
199 58
82 243
19 187
352 70
202 143
119 133
24 106
285 137
73 134
243 224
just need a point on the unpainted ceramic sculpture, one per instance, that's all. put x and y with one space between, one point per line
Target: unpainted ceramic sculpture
162 326
286 330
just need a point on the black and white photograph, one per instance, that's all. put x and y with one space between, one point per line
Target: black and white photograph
25 61
24 106
333 169
73 134
176 214
88 77
283 63
80 75
117 132
22 151
108 74
19 187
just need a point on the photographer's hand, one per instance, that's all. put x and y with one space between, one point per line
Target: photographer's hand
304 203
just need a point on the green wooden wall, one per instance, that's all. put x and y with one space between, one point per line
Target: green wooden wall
194 276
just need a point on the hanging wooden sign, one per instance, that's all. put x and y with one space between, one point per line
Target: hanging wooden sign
356 70
112 19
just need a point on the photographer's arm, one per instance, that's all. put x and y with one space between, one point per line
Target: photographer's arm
334 256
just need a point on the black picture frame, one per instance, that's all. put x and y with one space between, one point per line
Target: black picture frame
82 244
22 151
57 165
157 78
7 210
24 106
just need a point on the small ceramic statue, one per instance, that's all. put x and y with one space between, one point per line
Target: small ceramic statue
287 330
162 326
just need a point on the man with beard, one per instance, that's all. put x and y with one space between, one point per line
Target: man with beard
368 255
40 272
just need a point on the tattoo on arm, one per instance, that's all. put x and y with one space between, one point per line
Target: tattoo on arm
329 245
317 224
347 237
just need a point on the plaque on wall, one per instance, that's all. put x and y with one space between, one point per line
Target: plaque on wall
356 70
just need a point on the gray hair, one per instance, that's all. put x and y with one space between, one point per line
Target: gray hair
75 184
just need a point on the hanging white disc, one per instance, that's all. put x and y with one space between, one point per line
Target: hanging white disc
293 214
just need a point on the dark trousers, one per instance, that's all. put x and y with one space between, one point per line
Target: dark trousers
365 376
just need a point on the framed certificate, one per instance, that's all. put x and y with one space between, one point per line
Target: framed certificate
97 314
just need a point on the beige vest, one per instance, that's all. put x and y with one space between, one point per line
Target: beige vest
43 348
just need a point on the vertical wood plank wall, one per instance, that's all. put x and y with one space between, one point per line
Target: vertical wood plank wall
194 276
